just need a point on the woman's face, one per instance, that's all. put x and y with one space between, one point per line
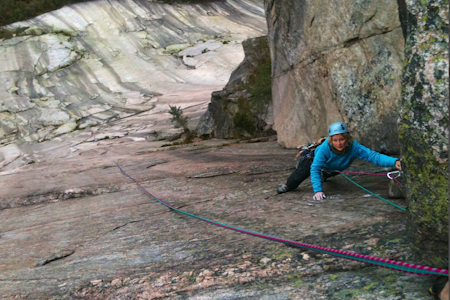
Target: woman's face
338 141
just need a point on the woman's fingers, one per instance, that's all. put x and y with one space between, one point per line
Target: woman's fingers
319 196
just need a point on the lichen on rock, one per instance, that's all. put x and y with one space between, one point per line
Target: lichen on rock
424 132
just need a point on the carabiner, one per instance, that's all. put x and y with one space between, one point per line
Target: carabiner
390 174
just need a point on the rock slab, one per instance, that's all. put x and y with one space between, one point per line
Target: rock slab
90 62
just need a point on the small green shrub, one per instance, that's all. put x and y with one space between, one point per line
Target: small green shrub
178 118
181 122
260 85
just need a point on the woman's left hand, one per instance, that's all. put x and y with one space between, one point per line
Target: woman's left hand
398 165
319 196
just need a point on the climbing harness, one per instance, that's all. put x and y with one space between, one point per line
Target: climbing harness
389 175
380 262
307 150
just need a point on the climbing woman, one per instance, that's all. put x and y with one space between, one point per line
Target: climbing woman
337 152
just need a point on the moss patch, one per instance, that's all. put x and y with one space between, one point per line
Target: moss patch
259 85
243 122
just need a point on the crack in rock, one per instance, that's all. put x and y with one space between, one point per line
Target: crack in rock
313 56
248 173
58 195
212 174
164 212
352 41
56 256
367 21
131 222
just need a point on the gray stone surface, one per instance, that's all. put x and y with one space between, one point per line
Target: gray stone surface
93 61
73 227
336 61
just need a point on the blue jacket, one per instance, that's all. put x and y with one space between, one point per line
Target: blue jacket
324 158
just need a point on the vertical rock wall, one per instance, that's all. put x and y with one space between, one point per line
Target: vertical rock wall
424 132
338 60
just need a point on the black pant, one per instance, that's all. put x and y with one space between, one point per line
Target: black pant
302 171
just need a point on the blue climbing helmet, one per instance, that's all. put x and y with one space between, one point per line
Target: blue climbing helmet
337 128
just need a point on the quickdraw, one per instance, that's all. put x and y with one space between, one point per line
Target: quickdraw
390 174
380 262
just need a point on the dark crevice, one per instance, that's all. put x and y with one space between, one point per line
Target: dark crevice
156 163
131 222
312 21
403 16
57 256
209 175
203 201
367 21
350 42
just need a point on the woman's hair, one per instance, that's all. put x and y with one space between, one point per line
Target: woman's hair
347 137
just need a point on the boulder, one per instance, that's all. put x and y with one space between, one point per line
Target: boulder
244 107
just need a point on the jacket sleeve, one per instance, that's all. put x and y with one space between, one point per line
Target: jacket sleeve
375 157
317 165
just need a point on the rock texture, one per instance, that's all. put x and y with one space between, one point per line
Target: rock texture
424 128
91 62
336 61
244 106
73 227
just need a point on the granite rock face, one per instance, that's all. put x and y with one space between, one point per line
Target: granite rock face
73 227
244 106
424 132
336 61
91 62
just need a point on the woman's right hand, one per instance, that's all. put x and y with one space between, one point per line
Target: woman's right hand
319 196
